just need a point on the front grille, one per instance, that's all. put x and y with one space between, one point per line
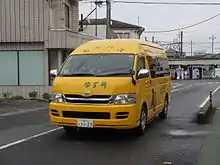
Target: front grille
94 99
86 115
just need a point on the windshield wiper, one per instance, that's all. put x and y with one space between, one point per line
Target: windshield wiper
77 75
113 74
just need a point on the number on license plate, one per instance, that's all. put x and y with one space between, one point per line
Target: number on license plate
85 123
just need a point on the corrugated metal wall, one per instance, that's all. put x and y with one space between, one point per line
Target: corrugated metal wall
23 20
66 39
21 46
28 20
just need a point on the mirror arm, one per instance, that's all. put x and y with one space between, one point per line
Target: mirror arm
132 73
133 80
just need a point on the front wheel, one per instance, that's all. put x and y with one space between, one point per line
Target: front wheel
140 130
163 114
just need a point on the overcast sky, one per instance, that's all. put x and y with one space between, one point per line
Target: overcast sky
165 17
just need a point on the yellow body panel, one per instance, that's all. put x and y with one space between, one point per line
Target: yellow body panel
127 123
73 85
147 90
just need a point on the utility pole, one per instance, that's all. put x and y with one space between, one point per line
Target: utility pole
212 38
138 19
181 44
145 38
96 18
108 18
191 46
153 39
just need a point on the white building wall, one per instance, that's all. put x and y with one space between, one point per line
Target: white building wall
133 33
90 29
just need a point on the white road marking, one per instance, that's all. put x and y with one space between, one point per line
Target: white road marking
187 133
208 97
180 89
28 138
176 85
216 90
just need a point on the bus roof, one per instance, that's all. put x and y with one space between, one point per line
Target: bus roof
114 46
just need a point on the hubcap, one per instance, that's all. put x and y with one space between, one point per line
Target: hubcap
143 120
166 109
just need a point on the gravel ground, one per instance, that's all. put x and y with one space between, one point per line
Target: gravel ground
15 105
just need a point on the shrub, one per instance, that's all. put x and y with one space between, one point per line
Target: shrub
17 98
6 95
32 94
46 96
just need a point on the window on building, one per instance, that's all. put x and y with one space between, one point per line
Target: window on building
22 68
31 68
67 16
9 68
125 35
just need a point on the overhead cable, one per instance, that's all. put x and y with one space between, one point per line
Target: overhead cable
183 28
169 3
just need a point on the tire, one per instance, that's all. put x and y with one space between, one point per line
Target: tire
164 113
141 129
70 130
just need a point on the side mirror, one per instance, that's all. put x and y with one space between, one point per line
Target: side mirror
143 73
53 73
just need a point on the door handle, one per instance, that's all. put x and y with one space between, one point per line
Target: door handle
148 81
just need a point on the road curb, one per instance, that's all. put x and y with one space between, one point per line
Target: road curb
206 108
209 154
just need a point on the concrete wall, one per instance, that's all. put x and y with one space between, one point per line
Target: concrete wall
24 90
101 31
90 29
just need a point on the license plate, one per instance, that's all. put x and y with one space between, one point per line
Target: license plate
85 123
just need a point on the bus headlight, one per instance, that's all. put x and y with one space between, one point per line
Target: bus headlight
125 99
57 98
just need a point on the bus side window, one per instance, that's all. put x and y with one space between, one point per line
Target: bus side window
141 63
153 66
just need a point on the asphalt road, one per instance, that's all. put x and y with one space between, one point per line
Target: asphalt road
175 139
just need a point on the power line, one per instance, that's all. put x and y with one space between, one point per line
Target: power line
170 3
198 43
183 28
